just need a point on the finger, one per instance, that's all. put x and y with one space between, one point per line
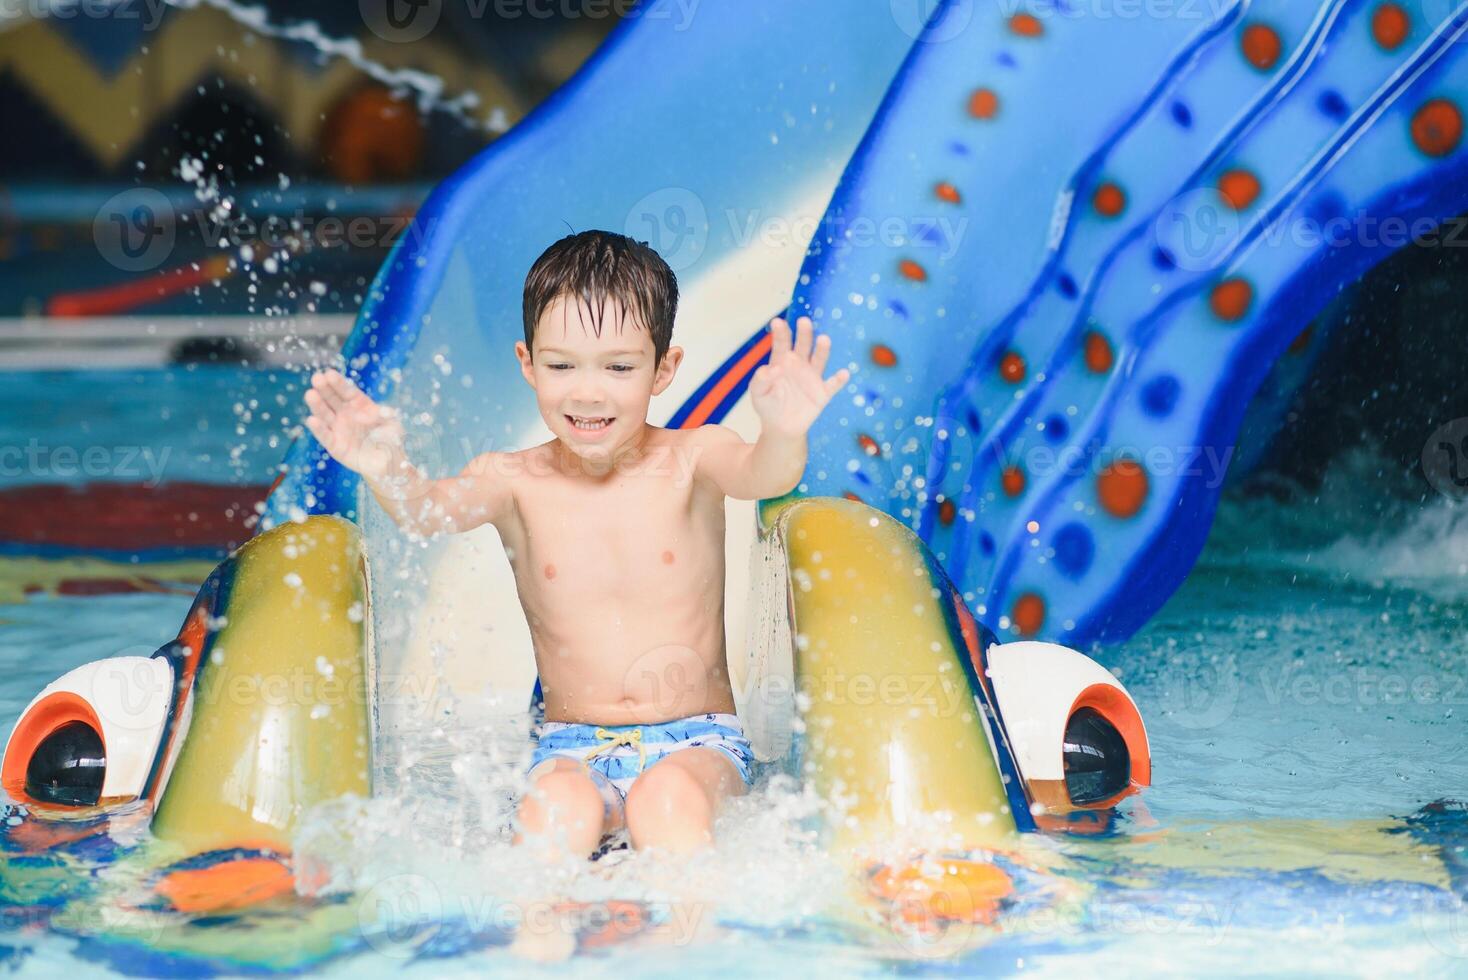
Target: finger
343 387
319 429
319 407
326 390
759 382
779 339
835 382
803 332
822 354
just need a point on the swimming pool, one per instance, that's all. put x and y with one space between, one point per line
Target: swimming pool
1301 693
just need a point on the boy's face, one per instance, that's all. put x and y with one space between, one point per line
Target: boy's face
593 392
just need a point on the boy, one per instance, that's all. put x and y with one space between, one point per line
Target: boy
617 551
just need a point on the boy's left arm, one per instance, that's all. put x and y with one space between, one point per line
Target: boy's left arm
788 394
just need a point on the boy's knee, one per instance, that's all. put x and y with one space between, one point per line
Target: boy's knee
564 795
667 791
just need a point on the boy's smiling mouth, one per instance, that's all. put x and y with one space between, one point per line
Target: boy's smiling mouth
590 423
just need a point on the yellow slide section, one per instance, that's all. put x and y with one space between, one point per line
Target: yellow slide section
891 727
281 716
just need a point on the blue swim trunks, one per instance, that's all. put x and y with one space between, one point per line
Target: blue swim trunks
615 755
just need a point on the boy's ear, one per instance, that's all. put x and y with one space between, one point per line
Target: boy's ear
527 370
667 367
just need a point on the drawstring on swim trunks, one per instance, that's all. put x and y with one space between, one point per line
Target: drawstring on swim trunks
615 740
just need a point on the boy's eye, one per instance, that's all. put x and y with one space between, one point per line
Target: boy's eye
621 367
558 367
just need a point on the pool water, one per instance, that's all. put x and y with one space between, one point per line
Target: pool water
1303 692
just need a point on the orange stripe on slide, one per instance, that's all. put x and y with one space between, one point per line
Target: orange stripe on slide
726 384
227 885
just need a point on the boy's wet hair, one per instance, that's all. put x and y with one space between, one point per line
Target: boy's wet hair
592 266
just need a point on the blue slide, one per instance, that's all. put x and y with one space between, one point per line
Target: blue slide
1060 250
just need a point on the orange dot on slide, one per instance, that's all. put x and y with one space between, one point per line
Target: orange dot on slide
1012 481
1028 614
1012 367
883 356
1231 299
983 104
868 444
851 496
1262 46
1109 200
1026 25
946 512
947 192
1437 128
1390 25
1122 488
1098 352
1238 188
912 270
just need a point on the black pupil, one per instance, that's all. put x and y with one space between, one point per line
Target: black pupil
1097 764
67 767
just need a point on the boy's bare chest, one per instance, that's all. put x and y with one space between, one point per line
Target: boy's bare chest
631 532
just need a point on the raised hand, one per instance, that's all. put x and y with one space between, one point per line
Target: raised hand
359 433
789 393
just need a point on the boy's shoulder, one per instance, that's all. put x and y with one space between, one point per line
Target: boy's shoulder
712 434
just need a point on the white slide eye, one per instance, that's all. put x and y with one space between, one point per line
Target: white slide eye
91 735
1077 736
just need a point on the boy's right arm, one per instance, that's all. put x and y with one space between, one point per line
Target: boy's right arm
367 438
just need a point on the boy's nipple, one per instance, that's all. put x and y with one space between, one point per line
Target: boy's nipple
550 572
667 558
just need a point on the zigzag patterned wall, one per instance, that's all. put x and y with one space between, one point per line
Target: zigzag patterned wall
109 108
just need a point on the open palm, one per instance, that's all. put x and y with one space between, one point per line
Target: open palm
359 433
788 392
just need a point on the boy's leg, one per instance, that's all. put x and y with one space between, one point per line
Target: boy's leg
672 805
565 808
